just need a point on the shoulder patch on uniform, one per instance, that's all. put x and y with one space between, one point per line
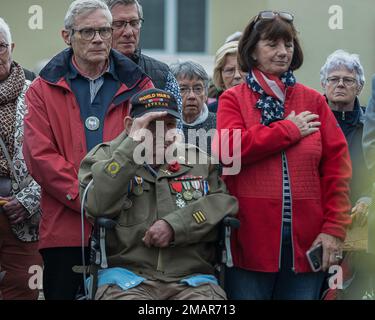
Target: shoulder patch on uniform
199 217
113 168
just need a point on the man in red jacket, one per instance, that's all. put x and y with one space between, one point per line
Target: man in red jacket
79 101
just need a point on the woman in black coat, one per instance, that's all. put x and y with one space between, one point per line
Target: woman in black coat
342 78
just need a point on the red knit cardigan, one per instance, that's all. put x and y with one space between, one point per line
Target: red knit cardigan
319 169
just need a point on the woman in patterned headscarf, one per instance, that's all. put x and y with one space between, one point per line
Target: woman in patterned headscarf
19 193
293 188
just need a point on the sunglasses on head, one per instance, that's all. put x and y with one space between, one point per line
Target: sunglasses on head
271 15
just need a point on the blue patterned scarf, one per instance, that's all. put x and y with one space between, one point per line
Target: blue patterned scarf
271 106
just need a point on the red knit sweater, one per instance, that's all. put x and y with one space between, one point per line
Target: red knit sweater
319 169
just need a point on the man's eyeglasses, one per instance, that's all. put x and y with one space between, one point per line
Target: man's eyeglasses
121 24
230 72
3 47
271 15
347 81
197 90
89 33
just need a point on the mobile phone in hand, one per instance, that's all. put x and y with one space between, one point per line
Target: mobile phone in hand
315 257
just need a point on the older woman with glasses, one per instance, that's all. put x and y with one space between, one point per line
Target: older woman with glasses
19 193
193 83
227 73
342 78
293 187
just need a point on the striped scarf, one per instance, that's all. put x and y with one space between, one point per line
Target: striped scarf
272 93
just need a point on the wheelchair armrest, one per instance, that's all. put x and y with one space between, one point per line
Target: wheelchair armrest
98 255
105 223
232 222
227 225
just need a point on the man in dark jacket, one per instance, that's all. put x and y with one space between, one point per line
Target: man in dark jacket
127 23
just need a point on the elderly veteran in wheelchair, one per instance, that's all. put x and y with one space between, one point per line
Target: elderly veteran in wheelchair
167 212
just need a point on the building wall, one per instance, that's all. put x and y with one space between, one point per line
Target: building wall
34 45
318 40
225 17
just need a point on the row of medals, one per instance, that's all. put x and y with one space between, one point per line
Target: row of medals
191 190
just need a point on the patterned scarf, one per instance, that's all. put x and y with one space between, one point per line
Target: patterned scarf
272 93
10 89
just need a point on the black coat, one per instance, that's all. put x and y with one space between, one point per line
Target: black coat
29 75
351 122
158 71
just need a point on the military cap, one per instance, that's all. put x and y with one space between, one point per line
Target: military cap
153 100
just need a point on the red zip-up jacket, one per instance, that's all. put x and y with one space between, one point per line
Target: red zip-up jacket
319 169
55 143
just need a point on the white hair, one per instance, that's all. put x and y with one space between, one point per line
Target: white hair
80 7
5 31
340 59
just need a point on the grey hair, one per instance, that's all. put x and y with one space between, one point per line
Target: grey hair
80 7
5 31
112 3
339 59
190 70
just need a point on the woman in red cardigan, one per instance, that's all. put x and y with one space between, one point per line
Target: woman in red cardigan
295 169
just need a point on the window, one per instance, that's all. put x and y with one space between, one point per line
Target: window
153 29
191 35
175 26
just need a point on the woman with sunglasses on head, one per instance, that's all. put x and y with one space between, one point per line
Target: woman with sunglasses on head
293 187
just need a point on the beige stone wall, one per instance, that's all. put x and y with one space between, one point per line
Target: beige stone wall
317 38
225 17
34 45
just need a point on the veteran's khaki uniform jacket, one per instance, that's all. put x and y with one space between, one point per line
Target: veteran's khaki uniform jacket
111 166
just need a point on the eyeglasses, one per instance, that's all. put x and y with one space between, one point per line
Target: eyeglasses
347 81
89 33
121 24
197 90
230 72
271 15
3 47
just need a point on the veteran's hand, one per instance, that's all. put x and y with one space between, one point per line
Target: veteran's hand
141 123
305 121
332 249
160 235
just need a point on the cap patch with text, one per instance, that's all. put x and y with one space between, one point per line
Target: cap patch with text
153 100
